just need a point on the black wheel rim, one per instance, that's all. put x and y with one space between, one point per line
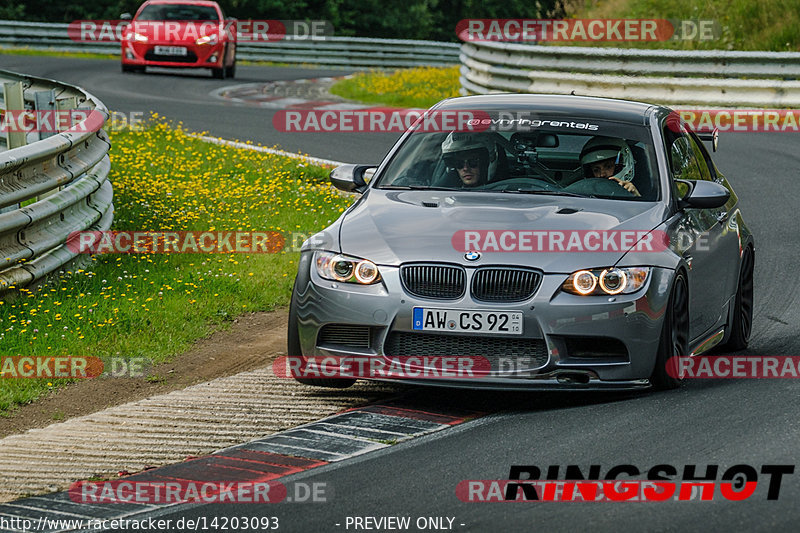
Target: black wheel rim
679 319
746 296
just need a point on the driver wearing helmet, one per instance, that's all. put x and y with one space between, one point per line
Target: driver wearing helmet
472 155
611 158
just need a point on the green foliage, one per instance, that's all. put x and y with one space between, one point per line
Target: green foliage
12 12
400 19
745 24
155 305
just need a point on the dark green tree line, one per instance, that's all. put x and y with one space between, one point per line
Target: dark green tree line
399 19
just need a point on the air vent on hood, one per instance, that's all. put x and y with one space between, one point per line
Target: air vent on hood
430 204
567 211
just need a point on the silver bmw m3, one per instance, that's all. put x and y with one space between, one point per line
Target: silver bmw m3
534 241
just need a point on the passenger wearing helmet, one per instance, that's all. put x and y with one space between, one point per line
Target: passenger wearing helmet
611 158
472 155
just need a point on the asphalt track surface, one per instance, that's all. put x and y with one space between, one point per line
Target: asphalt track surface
706 422
184 95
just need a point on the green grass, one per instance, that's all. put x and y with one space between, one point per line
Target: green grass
54 53
156 305
417 87
745 24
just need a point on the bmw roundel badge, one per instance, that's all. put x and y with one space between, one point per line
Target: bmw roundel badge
472 256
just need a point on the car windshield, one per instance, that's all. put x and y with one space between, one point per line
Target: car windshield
178 12
571 157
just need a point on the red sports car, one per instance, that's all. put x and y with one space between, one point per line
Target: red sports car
180 33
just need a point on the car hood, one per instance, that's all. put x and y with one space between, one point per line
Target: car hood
394 227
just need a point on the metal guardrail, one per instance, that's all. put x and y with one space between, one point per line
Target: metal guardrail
52 186
714 77
355 52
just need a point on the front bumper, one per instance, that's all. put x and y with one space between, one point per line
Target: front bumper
198 56
598 342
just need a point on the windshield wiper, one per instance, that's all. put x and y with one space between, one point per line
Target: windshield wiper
415 188
550 193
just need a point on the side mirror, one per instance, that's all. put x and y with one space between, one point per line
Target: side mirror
350 178
704 195
126 16
711 136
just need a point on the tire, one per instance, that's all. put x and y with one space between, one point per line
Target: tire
221 72
230 72
674 335
742 323
293 350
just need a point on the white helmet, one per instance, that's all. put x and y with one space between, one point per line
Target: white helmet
463 144
602 148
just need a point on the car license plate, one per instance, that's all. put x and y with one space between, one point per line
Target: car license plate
468 321
171 50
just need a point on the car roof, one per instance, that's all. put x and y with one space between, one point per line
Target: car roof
187 2
587 107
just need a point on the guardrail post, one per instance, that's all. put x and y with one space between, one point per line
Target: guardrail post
44 103
13 101
12 96
67 104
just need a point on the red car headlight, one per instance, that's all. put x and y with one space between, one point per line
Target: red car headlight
208 39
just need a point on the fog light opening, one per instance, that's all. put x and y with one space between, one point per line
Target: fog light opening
212 59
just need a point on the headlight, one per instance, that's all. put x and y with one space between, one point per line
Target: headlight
606 281
584 282
338 267
138 37
207 39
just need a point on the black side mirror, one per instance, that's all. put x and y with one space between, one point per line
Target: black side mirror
126 16
704 195
350 178
710 136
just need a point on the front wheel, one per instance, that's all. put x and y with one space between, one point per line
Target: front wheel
674 337
230 72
